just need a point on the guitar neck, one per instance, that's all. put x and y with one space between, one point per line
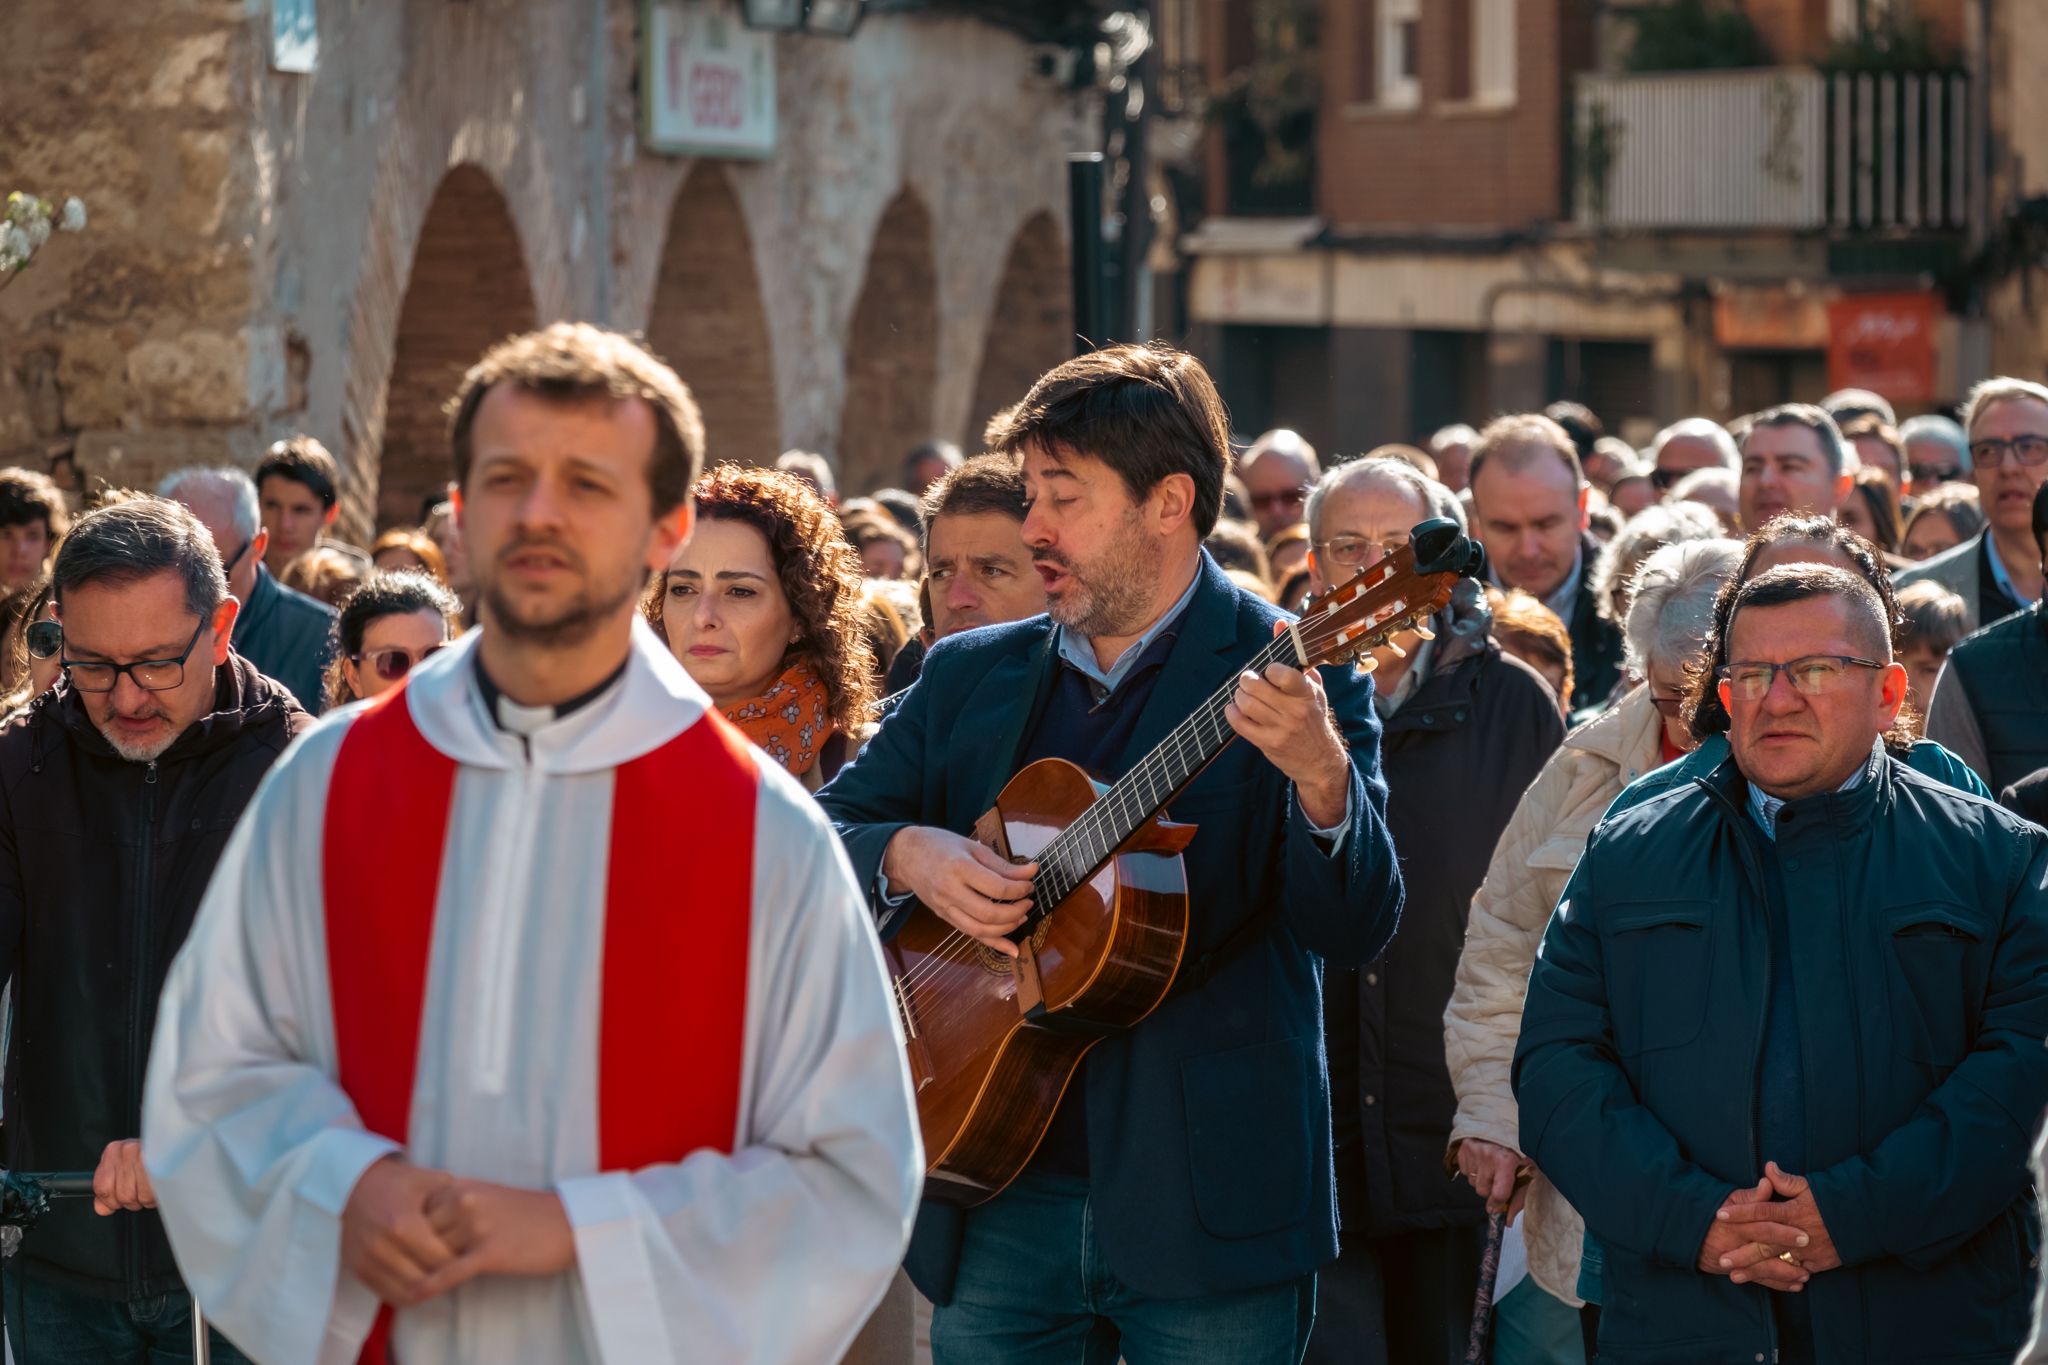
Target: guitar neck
1137 797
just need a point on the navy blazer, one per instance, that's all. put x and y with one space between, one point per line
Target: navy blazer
1209 1123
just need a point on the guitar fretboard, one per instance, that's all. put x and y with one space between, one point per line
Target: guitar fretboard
1075 854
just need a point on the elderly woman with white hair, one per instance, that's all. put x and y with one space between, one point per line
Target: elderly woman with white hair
1670 608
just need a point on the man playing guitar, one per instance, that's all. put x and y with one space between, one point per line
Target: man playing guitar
1180 1203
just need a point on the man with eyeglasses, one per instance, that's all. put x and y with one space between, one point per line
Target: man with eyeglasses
1467 727
1998 571
284 633
1689 444
1937 452
1782 1043
1278 471
118 790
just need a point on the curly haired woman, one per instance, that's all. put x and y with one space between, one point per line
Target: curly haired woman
763 607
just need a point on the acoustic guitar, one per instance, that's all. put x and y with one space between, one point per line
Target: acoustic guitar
993 1041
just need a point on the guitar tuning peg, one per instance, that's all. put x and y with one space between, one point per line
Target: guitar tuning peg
1425 632
1394 648
1368 664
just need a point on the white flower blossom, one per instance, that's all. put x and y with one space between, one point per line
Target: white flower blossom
15 246
38 230
74 214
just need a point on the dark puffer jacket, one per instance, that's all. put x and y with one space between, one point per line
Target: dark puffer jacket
102 866
1458 755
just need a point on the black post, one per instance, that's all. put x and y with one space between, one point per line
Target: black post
1086 172
1134 288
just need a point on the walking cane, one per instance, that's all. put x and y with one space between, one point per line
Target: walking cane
1482 1302
25 1198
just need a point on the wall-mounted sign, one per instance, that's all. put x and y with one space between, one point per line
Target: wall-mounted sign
708 81
1884 343
294 36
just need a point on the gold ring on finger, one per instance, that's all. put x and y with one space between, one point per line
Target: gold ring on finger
1788 1258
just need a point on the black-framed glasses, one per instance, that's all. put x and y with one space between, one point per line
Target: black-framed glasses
151 675
1816 675
2028 450
1358 552
393 663
229 567
1927 473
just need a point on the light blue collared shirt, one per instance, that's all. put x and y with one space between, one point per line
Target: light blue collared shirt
1075 648
1079 654
1999 574
1765 807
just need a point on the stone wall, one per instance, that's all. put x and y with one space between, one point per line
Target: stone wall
272 252
129 348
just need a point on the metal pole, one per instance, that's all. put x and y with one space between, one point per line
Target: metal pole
1086 172
202 1351
1136 285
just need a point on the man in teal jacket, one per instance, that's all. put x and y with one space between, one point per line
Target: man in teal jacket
1783 1046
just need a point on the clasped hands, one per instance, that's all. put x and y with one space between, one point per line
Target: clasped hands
1772 1235
410 1233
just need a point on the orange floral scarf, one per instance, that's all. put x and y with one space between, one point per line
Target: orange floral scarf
789 721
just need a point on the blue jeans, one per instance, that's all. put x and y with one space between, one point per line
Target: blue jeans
50 1324
1033 1289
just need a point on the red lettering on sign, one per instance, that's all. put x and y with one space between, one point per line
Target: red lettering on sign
717 96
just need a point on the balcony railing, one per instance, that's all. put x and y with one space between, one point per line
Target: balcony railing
1787 147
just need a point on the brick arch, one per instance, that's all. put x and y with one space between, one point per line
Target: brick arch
1031 327
468 288
891 350
708 322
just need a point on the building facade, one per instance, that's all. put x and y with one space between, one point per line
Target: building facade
1515 201
324 250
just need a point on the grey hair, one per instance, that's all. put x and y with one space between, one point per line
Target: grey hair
137 539
1838 452
1456 434
1440 501
1700 429
1932 426
1670 523
235 484
1671 601
2000 389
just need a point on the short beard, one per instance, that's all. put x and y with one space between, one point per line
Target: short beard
140 753
1112 594
575 624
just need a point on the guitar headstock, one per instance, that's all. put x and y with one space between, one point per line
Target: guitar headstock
1406 587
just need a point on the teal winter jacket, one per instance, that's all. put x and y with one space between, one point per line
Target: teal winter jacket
1918 930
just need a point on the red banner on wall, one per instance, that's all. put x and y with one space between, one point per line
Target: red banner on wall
1884 343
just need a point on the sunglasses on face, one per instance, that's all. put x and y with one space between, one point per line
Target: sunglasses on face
1927 473
1291 497
394 663
45 638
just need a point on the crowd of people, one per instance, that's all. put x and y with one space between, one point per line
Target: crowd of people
1652 942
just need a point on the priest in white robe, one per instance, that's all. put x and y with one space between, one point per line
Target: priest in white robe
489 1063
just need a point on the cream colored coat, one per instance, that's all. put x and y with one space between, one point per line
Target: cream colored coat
1530 866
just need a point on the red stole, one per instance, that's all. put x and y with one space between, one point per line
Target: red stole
386 830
